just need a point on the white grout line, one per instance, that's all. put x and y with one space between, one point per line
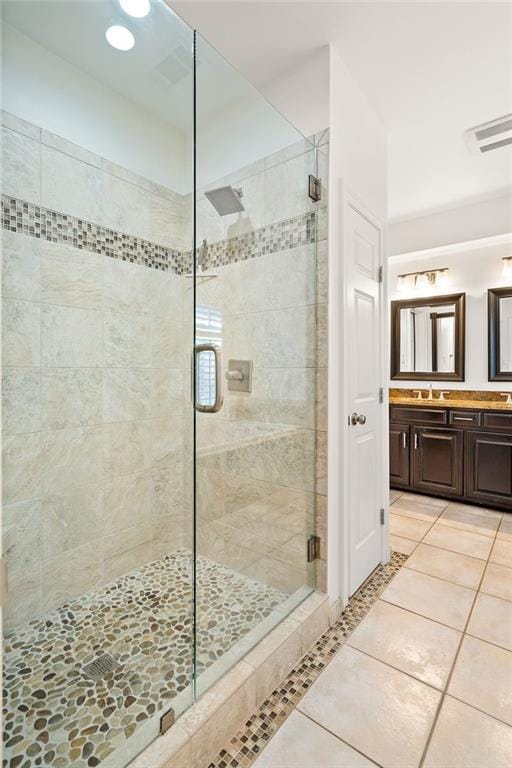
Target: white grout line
436 688
454 662
482 711
456 552
324 728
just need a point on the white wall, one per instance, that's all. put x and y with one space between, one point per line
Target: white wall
357 165
42 88
471 220
247 131
48 91
359 144
302 95
473 268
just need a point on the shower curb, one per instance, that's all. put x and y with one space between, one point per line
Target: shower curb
248 743
257 695
208 725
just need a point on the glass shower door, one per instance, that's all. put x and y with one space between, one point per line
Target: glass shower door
258 366
97 419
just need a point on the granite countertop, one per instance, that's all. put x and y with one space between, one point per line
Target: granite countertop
487 405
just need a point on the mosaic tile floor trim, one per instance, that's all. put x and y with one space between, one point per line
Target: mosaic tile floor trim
247 744
55 716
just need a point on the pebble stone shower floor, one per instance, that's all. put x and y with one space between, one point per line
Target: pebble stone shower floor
56 717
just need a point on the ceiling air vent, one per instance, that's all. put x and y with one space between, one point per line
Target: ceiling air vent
176 66
493 135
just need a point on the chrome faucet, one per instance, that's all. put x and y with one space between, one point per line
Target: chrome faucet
418 394
507 396
430 392
442 393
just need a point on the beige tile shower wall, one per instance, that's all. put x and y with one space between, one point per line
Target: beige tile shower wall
262 463
93 382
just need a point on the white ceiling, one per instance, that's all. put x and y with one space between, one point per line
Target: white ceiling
431 70
75 31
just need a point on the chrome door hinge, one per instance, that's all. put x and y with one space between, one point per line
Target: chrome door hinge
380 275
3 581
314 188
313 548
166 721
382 513
381 395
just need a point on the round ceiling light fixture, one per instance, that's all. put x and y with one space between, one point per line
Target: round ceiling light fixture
136 8
120 38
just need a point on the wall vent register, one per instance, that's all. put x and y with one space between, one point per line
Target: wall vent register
489 136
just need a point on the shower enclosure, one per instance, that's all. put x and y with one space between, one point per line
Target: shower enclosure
164 373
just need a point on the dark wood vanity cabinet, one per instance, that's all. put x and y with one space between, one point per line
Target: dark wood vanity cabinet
399 455
489 468
454 453
436 460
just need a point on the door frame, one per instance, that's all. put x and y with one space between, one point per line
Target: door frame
338 435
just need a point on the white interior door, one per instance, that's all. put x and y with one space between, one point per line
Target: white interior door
364 372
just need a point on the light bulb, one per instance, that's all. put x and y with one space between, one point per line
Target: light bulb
422 282
402 283
136 8
120 38
442 278
507 266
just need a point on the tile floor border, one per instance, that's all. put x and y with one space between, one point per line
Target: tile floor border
209 722
480 625
243 749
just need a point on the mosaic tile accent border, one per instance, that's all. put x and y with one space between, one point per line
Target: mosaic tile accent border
280 236
247 744
43 223
46 224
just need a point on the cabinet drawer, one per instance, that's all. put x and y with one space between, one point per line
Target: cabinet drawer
463 419
413 415
498 420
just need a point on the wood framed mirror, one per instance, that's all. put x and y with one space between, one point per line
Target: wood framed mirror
499 314
428 338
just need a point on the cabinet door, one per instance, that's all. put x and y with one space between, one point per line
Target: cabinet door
437 460
489 468
399 455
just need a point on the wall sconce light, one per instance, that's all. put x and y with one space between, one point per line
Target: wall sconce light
507 266
402 283
427 278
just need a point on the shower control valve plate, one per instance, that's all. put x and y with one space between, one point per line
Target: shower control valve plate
239 375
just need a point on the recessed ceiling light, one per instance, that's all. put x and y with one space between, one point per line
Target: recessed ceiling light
136 8
120 38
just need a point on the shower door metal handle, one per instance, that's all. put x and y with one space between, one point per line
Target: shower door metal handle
219 396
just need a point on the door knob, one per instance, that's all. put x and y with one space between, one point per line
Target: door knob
357 419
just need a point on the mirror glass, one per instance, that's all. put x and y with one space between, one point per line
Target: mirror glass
427 338
500 333
505 335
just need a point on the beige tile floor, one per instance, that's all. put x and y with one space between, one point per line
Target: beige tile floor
426 678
